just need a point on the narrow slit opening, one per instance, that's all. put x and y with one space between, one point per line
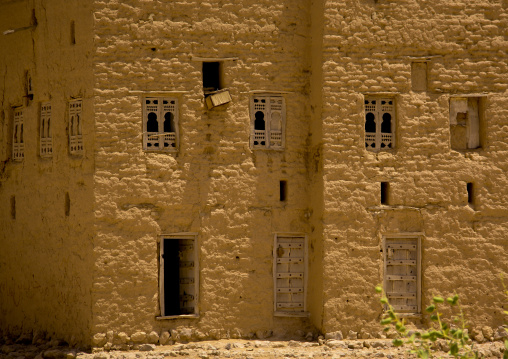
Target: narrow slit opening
67 204
470 193
13 207
385 186
283 190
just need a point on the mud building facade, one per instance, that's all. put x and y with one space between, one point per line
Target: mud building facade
190 170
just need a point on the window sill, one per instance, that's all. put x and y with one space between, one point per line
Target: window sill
172 150
280 149
183 316
409 315
291 314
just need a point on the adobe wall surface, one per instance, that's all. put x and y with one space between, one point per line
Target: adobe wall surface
46 255
367 47
215 186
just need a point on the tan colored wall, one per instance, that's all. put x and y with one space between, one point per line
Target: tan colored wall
367 44
46 256
215 185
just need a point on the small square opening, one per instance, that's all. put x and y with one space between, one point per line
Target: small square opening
212 80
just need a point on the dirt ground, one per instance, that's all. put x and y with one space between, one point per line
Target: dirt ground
244 349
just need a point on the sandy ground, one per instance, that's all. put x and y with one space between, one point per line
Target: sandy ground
243 349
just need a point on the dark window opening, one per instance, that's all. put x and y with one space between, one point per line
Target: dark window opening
13 207
152 125
283 190
67 204
21 134
259 122
211 76
169 124
385 186
73 33
386 125
370 124
470 193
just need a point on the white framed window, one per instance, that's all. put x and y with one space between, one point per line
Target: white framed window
178 275
75 127
465 122
402 272
379 123
46 140
18 143
160 124
290 274
268 121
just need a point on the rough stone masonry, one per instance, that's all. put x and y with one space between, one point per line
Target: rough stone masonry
247 169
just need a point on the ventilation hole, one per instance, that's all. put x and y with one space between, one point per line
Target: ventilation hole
470 193
73 33
67 204
13 207
385 186
283 190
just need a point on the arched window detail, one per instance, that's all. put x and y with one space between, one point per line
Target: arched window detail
379 129
268 115
160 124
46 142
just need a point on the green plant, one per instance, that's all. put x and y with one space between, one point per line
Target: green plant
422 343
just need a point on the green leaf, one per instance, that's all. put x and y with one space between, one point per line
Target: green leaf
384 300
386 321
430 308
426 335
397 342
438 300
433 317
454 349
392 315
379 289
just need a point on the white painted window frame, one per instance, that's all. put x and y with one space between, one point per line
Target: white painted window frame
160 137
18 136
183 235
45 136
282 313
378 137
75 113
418 237
274 139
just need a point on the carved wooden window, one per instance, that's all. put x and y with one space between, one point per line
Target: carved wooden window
379 123
464 123
178 275
290 274
402 274
75 127
18 143
268 120
160 124
46 140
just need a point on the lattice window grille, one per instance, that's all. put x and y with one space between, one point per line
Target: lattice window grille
46 140
402 277
75 127
179 275
160 124
268 112
290 274
18 143
379 123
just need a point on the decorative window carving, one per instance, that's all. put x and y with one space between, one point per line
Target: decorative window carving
75 127
402 274
178 275
18 143
268 121
465 123
160 124
290 274
379 123
46 140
